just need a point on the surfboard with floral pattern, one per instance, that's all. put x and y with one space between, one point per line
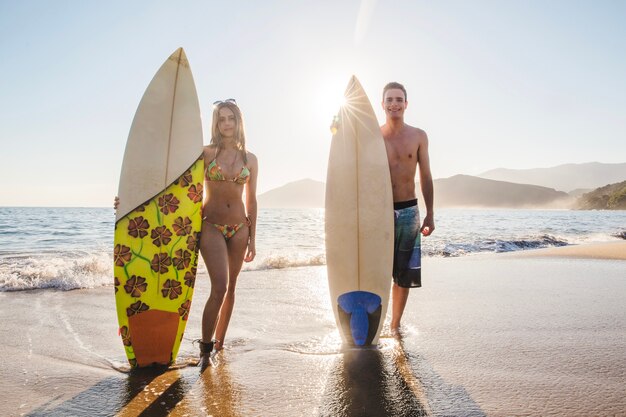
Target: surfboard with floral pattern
158 222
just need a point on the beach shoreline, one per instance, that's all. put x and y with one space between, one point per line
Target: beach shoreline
596 250
496 334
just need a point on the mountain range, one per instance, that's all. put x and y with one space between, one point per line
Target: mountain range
536 188
469 191
568 177
305 193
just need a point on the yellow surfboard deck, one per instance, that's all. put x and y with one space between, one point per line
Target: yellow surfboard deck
156 256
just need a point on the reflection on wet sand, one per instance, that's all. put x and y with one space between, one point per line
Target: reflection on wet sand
390 381
369 382
439 397
98 400
214 394
156 392
404 370
131 394
158 397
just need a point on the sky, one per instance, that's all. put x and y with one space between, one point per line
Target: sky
514 84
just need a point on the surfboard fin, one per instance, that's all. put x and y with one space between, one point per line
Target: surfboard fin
359 315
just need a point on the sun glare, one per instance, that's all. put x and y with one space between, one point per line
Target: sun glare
329 99
336 100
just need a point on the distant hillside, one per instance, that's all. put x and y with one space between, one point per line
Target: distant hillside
298 194
579 192
465 190
563 177
459 190
609 197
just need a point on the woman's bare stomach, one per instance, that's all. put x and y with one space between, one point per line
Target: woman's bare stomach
224 211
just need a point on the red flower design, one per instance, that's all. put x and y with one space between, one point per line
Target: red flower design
161 262
195 193
186 178
168 203
184 309
125 333
190 277
182 226
135 286
160 235
143 206
172 288
182 259
192 241
121 255
137 227
136 308
116 283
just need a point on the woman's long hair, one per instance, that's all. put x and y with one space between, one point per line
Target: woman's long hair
240 135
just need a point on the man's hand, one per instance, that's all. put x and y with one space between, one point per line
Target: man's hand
428 226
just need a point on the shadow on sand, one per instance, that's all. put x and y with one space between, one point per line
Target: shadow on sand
391 382
113 394
154 392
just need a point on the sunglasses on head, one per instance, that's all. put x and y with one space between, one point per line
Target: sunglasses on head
228 100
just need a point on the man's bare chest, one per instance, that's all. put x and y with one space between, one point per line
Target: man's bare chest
402 151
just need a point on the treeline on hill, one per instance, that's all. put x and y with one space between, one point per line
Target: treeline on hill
609 197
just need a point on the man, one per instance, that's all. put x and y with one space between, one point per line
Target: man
407 148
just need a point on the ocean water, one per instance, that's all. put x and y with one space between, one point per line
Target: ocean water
69 248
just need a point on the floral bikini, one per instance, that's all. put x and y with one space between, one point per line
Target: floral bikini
213 172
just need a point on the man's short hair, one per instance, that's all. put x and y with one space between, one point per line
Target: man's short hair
393 85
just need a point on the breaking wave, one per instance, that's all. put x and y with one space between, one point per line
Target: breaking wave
69 271
496 246
56 271
286 261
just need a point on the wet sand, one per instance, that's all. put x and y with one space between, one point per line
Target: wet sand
609 250
488 335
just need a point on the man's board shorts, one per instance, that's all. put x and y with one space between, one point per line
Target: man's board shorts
407 254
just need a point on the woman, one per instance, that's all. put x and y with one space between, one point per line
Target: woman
228 225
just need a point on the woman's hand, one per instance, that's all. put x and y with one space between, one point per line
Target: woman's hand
251 252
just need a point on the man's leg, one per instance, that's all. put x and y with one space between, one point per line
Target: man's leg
399 297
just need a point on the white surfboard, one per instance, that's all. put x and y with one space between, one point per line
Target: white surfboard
165 137
158 220
359 221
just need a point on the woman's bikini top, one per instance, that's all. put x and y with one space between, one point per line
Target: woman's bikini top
213 172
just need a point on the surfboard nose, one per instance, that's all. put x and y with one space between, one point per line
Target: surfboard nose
359 313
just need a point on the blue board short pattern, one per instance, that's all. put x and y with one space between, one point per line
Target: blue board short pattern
407 254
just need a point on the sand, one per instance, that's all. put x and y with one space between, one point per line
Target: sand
497 335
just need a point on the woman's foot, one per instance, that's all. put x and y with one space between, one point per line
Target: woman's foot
205 353
205 347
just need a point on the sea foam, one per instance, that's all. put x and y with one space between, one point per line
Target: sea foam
56 271
286 261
